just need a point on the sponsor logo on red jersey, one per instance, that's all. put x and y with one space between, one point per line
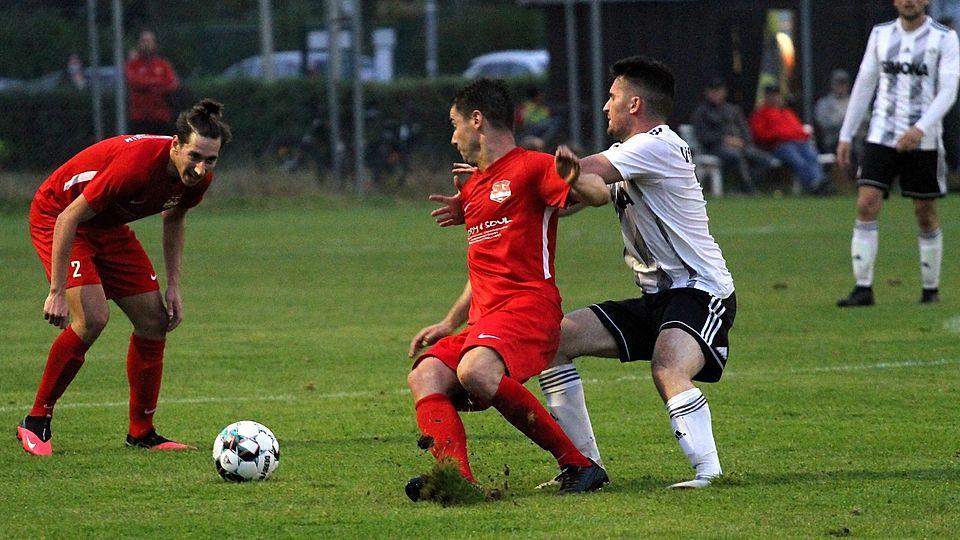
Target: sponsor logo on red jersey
500 191
171 202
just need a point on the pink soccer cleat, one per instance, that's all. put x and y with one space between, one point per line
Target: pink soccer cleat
37 438
152 441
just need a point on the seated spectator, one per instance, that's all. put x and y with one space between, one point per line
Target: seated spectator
722 130
779 130
534 118
829 110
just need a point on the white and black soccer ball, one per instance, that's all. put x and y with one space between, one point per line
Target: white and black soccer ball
245 451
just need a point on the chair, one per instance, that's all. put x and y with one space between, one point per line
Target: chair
708 165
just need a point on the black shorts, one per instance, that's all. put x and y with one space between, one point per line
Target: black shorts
636 323
923 173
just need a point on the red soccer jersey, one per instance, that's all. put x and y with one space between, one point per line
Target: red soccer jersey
123 179
511 220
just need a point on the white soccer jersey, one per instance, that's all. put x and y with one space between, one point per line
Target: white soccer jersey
663 216
914 75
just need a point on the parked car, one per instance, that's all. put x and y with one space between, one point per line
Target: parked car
290 64
510 63
106 78
10 84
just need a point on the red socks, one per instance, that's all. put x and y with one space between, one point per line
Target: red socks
525 412
63 363
144 371
438 418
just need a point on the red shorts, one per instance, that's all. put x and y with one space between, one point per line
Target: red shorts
110 257
525 332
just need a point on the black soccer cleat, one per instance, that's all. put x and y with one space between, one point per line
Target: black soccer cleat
860 296
414 487
153 441
575 479
930 296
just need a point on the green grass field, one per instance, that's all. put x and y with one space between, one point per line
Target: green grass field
299 312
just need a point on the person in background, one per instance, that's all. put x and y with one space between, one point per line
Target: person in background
778 129
151 81
829 110
909 71
721 129
535 120
74 75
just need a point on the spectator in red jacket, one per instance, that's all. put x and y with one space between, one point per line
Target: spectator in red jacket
151 81
778 130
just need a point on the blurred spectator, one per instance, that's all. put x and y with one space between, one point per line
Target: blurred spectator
534 119
74 74
778 129
152 82
721 129
829 110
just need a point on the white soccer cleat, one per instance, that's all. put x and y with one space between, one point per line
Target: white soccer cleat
555 481
696 483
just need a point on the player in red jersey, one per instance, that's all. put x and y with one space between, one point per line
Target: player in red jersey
511 303
78 227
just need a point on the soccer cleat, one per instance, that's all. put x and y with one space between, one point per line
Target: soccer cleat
575 479
35 435
699 482
860 296
414 488
555 481
930 296
152 441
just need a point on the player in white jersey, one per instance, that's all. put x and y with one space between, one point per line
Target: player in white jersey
910 70
681 321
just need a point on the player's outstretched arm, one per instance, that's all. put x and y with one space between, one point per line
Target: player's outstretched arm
451 213
588 188
457 315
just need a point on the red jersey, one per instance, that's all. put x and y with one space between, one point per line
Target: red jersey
151 81
511 221
123 179
772 126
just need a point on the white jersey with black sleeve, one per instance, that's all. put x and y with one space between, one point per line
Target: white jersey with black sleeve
663 216
914 77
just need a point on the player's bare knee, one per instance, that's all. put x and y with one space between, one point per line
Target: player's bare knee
477 378
88 326
426 379
671 373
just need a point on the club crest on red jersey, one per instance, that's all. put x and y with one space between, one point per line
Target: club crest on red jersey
500 191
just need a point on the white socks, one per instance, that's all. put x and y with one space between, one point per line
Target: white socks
563 391
931 254
690 418
863 251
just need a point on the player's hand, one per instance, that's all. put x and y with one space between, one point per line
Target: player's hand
462 168
55 309
567 164
843 155
451 213
428 336
174 308
910 140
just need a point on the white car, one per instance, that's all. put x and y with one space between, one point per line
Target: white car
511 63
290 64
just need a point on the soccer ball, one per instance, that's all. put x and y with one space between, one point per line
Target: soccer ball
245 451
